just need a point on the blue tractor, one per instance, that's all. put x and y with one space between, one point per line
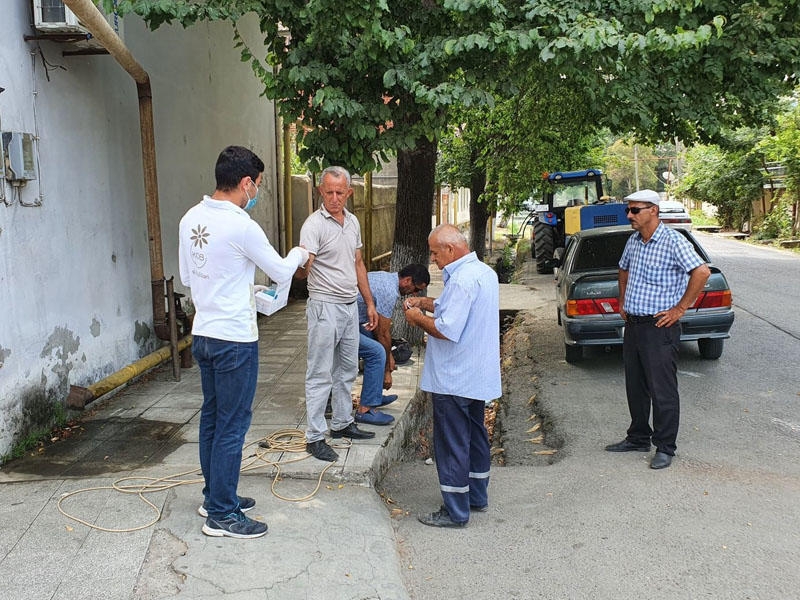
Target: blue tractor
571 201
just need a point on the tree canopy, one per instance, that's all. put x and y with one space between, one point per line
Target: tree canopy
371 77
376 76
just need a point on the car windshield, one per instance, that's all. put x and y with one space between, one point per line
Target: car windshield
574 194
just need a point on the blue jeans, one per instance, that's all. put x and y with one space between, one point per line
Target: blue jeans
374 356
228 372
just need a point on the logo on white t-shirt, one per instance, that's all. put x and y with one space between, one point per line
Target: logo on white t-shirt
199 237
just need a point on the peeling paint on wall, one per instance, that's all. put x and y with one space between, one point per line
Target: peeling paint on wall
95 327
33 410
142 333
60 347
4 354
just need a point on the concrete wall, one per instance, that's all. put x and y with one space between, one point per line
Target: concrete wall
74 272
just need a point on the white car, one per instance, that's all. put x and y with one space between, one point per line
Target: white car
674 214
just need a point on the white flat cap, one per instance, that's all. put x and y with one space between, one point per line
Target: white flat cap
644 196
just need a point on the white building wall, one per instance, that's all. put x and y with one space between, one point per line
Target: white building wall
75 299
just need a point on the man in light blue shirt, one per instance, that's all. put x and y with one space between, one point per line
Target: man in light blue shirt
461 371
375 347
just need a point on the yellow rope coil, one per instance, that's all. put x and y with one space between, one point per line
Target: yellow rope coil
281 441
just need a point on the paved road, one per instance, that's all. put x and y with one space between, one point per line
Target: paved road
722 522
765 280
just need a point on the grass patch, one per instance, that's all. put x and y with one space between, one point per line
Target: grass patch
38 436
701 218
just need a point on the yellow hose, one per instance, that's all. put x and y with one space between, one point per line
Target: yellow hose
79 396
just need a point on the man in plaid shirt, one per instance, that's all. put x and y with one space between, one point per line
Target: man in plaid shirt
660 277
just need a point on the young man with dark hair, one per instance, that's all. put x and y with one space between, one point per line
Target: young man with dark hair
220 247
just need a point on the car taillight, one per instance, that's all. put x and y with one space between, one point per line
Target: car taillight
718 299
592 306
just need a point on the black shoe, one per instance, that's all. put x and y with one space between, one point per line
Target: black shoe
474 508
235 525
440 518
353 432
661 460
321 451
626 446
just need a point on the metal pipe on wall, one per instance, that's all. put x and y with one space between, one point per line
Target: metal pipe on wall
78 396
96 23
287 187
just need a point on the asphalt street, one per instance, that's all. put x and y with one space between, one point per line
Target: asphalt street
722 522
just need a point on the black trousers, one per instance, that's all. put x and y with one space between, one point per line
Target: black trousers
650 355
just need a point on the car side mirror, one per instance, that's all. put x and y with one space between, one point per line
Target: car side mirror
558 257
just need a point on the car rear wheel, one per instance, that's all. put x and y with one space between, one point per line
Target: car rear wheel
710 348
543 242
573 354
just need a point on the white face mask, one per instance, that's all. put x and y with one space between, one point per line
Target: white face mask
251 202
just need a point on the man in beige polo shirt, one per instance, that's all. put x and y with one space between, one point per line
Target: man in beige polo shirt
336 273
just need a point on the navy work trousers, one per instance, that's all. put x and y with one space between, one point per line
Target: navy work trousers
461 449
650 355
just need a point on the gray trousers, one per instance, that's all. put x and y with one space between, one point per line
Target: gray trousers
332 365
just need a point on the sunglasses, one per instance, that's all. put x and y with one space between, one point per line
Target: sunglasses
636 209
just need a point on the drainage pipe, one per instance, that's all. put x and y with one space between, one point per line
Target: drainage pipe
79 397
96 23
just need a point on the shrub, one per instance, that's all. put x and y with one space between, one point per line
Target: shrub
777 223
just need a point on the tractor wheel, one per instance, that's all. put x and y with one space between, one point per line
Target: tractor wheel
544 244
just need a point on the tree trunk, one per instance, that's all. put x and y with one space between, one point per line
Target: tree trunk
478 213
416 188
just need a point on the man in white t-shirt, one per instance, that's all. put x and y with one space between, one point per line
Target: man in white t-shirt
220 247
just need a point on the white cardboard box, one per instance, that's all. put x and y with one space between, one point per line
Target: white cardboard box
270 299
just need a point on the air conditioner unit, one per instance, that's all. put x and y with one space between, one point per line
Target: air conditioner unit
54 17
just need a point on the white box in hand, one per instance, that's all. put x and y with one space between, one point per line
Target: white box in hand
270 299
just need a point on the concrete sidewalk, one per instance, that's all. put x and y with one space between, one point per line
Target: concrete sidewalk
335 543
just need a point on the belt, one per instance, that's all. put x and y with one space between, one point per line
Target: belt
641 319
